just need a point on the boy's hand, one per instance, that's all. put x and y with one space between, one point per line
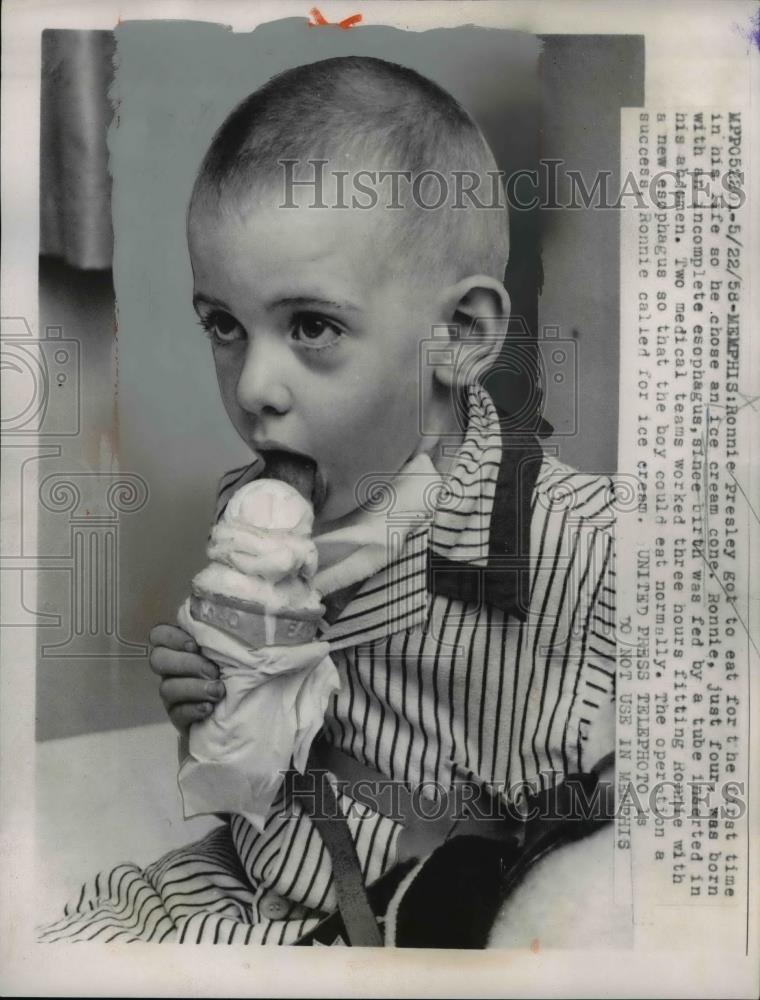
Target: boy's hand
190 685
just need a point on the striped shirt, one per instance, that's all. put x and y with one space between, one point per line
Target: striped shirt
484 651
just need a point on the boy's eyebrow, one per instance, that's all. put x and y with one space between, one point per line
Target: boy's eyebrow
209 300
309 300
292 300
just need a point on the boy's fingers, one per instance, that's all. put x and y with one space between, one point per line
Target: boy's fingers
176 691
183 716
169 663
173 637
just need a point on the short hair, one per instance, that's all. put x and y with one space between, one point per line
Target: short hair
363 112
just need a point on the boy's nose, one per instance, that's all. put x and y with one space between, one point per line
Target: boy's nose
260 386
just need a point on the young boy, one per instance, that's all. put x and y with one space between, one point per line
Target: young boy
482 652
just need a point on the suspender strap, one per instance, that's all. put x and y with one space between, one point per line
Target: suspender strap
316 797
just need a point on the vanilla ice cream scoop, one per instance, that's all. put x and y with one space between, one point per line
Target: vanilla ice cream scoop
270 505
257 586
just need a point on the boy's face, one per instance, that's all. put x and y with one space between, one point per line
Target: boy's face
316 343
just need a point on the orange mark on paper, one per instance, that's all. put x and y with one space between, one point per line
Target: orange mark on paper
535 945
317 20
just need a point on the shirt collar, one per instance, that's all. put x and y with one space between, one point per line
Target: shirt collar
489 558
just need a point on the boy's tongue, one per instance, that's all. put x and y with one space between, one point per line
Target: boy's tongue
297 471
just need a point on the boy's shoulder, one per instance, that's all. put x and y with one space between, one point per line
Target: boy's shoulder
581 496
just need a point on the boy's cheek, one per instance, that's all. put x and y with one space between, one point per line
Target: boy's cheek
383 454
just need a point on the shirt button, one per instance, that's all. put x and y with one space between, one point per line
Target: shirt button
273 907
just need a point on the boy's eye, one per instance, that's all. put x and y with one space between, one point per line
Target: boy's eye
221 327
315 331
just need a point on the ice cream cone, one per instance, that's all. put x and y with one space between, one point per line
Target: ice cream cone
251 622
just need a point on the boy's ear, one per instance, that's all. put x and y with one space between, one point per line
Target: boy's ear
477 312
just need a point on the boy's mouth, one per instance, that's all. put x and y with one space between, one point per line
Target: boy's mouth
298 471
